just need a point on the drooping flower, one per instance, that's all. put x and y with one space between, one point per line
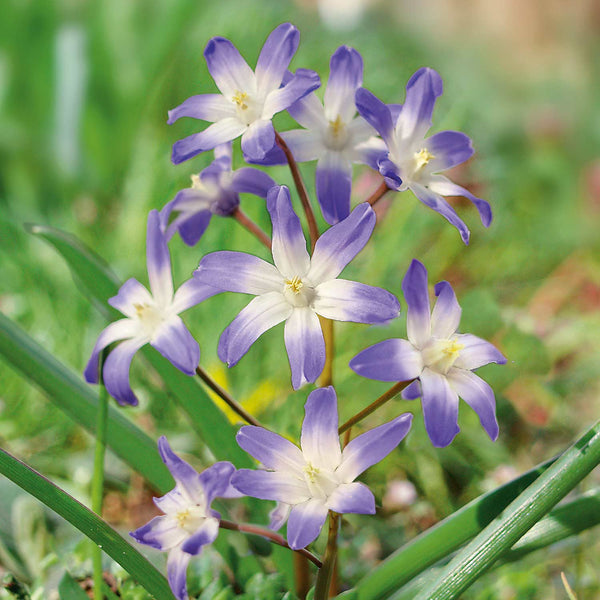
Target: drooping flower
441 359
188 522
297 288
414 161
319 476
248 100
151 318
214 191
333 135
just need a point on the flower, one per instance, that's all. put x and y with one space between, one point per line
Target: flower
248 100
442 359
188 522
317 477
150 318
298 287
413 161
333 135
214 191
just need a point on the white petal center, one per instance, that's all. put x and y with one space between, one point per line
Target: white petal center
440 355
248 108
298 292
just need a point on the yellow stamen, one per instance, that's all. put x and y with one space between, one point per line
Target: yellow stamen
181 517
295 284
240 99
422 157
336 126
453 348
311 472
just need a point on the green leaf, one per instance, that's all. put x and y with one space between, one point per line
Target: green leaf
520 516
80 401
69 589
87 522
442 539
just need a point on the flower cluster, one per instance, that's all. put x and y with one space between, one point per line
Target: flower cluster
299 288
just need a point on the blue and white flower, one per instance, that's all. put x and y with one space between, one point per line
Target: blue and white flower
151 318
441 359
318 476
188 522
414 161
214 191
297 288
248 99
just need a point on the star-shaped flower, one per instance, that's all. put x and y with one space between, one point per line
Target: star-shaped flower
151 318
248 99
188 522
298 287
414 161
441 358
319 476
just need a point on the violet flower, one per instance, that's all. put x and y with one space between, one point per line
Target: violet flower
214 191
150 318
248 100
188 522
413 161
297 288
441 358
319 476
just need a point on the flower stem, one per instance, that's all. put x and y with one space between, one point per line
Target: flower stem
393 391
327 374
245 221
233 404
378 193
313 230
326 571
98 478
270 535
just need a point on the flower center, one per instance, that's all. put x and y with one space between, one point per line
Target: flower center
320 484
297 292
422 158
247 111
240 99
190 518
337 135
149 317
440 355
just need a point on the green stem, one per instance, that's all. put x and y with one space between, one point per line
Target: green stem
326 571
393 391
522 514
98 477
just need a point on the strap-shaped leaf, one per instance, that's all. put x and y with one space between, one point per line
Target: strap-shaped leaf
88 523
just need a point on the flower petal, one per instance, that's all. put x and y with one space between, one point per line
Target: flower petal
208 107
251 181
440 408
303 82
334 186
261 314
478 395
391 173
258 140
191 226
228 271
304 144
227 67
477 352
216 479
376 113
279 515
320 440
305 346
353 497
275 56
416 294
158 262
344 300
345 77
206 534
445 317
116 370
289 244
443 186
422 90
390 360
449 148
132 292
220 132
186 477
270 449
371 447
370 152
190 293
119 330
282 486
412 391
161 533
177 345
309 112
341 243
437 203
305 523
177 565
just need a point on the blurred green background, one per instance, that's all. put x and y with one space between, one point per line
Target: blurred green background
84 146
